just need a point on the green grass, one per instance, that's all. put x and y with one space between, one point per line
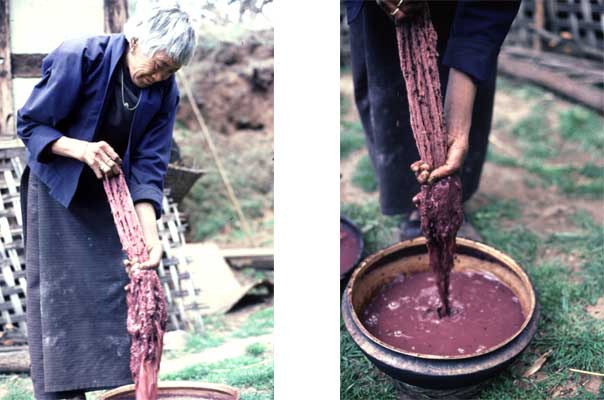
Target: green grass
216 333
252 372
257 324
363 176
376 228
255 349
344 104
351 138
534 136
257 274
583 126
517 241
245 372
200 342
517 89
256 396
584 181
207 204
211 212
577 339
17 387
539 146
359 379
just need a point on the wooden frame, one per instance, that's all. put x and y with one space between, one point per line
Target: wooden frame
573 23
6 80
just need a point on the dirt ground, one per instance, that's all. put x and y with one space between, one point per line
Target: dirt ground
229 349
544 210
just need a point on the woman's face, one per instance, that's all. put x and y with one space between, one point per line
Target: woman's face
145 71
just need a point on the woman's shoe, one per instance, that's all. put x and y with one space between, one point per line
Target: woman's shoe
411 227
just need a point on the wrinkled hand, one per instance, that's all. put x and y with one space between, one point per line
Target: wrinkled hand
155 252
407 9
101 157
458 148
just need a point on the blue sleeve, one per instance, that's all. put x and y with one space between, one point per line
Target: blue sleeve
149 161
476 36
51 101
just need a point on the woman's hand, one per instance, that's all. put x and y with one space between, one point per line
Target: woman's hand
155 252
459 103
401 10
101 157
146 216
458 148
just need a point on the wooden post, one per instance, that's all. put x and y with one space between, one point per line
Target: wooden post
539 24
116 14
6 85
587 19
557 82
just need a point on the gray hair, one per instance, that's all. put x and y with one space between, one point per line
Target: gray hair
162 26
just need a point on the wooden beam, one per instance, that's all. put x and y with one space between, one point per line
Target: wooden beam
257 258
14 359
7 118
116 14
27 65
10 144
556 82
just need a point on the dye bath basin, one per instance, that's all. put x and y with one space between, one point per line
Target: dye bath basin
179 390
432 371
351 248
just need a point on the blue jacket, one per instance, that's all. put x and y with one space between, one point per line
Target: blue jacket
477 32
68 100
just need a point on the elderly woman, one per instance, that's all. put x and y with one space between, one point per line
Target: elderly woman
102 102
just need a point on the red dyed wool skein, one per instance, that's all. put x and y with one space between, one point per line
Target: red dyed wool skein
439 203
147 308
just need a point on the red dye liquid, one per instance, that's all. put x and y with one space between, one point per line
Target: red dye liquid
350 248
147 308
404 314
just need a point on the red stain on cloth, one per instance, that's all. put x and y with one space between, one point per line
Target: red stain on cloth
147 308
439 203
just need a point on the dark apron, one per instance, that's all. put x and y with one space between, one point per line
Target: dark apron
76 303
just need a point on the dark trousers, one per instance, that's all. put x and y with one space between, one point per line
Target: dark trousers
381 100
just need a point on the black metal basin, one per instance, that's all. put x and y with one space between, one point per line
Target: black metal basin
352 229
431 371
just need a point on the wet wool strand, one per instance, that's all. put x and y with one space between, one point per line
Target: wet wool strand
147 308
439 203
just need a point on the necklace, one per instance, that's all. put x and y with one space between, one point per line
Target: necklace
124 102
